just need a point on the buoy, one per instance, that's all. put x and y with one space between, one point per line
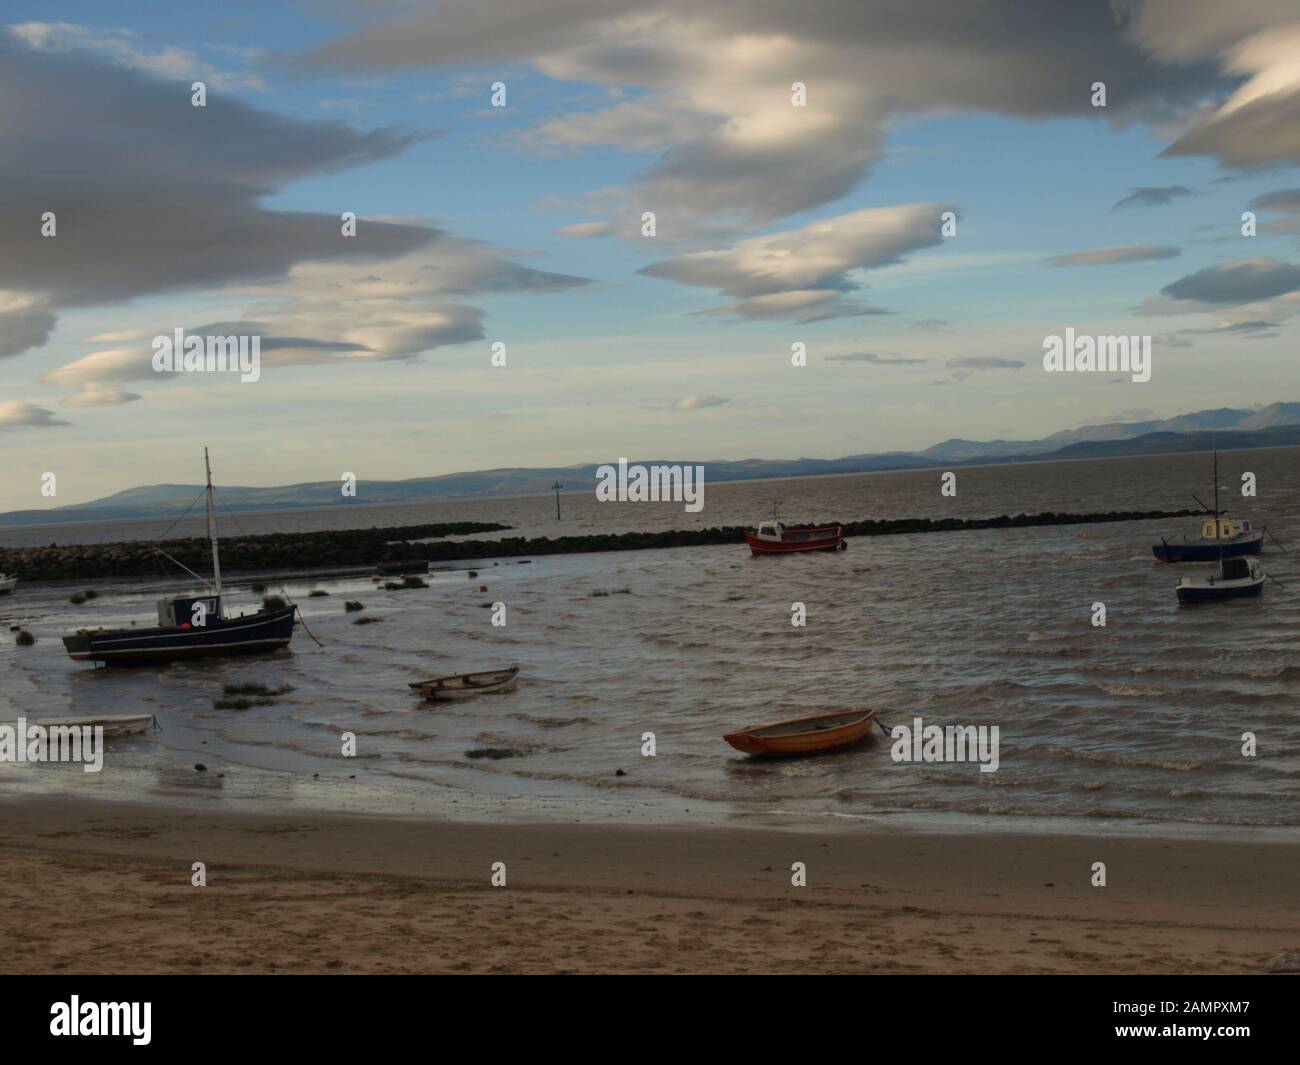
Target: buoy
482 587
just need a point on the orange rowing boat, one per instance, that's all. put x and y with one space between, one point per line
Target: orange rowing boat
805 735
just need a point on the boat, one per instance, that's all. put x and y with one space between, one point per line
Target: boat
805 735
112 724
191 626
1237 578
7 583
773 538
464 685
1221 537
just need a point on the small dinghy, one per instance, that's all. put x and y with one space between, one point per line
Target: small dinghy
1237 578
463 685
805 735
112 724
7 583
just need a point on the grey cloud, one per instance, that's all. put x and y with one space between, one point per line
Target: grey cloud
733 146
151 194
24 329
962 368
804 273
1284 201
19 414
1244 281
1266 130
878 360
984 362
1152 196
1122 253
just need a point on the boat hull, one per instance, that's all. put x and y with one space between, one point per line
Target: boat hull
824 540
1199 593
8 584
467 685
1209 550
261 633
804 735
114 725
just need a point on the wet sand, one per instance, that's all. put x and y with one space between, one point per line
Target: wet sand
106 888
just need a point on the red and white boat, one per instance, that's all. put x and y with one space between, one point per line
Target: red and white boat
773 538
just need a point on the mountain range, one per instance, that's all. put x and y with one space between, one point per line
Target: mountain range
1276 425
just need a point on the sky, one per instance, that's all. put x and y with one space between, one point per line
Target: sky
782 216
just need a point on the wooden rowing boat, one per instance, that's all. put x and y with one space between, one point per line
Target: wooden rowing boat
112 724
463 685
805 735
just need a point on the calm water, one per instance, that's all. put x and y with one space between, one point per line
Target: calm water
1135 726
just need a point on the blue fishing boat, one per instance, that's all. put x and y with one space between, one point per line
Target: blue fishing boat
1237 578
1221 537
193 626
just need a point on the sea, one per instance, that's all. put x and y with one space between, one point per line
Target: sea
1166 720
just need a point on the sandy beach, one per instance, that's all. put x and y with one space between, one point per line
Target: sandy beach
106 888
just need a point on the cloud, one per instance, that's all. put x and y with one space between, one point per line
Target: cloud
804 273
1244 281
124 48
700 402
179 209
931 325
23 324
1249 329
877 360
328 314
1152 196
586 230
1255 45
963 367
19 414
1120 253
1284 201
713 80
98 395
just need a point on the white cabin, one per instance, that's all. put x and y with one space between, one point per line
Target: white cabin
770 530
1213 528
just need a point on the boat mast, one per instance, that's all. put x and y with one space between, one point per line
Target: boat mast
212 528
1216 487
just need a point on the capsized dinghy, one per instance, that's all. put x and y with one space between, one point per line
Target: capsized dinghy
1237 578
805 735
463 685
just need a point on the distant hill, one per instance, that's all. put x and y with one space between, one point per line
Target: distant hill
1277 425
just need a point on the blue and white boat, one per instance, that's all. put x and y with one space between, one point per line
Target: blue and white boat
1221 537
1237 578
193 626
